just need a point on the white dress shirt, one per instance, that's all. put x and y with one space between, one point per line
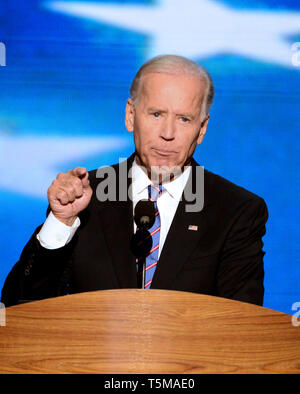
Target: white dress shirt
55 234
167 203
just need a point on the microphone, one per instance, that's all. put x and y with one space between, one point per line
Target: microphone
141 241
144 214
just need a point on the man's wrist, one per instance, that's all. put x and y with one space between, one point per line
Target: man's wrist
66 221
55 234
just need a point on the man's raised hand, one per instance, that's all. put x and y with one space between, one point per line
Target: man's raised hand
69 194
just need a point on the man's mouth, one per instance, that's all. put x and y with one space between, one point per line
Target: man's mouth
163 152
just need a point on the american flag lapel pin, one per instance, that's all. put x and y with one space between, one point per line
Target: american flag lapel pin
192 227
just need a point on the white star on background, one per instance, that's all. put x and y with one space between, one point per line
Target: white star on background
33 162
199 29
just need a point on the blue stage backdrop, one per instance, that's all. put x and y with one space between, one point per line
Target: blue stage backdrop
65 72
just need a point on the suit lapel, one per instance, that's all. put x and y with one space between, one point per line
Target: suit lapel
116 218
181 239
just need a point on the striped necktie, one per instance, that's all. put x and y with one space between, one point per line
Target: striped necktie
154 191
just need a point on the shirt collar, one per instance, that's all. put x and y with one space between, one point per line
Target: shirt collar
175 188
140 180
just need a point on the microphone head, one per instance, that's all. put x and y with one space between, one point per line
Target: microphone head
144 214
141 243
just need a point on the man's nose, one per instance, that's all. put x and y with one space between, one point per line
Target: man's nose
168 130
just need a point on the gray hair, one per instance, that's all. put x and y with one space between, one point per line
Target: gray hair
173 64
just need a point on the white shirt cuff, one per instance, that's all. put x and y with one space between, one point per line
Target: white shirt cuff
54 234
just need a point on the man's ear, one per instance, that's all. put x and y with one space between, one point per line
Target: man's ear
203 129
129 115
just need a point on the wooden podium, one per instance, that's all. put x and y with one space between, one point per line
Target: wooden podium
147 332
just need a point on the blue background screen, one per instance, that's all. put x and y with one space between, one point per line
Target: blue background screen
64 85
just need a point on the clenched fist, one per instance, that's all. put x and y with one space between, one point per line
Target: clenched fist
69 194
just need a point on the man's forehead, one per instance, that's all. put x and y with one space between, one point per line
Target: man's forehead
177 78
185 86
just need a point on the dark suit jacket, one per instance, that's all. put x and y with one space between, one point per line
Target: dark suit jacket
223 257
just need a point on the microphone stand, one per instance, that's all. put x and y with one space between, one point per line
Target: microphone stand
141 272
141 244
141 241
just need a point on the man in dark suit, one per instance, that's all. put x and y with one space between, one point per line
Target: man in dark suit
211 245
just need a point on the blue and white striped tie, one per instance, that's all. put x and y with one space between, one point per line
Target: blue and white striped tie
154 191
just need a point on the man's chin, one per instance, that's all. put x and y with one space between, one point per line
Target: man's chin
160 171
163 173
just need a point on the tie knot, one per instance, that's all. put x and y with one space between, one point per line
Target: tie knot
154 191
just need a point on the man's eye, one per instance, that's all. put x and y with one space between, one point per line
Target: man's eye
184 119
156 114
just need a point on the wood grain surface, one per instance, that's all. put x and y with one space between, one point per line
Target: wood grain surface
147 331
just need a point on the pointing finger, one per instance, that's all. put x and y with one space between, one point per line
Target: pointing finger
80 172
83 175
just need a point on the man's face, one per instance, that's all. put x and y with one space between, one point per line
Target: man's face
166 120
